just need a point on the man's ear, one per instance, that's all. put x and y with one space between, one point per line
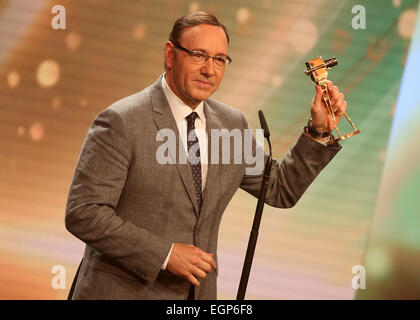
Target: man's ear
169 54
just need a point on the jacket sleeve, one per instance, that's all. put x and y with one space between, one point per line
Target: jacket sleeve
97 184
292 176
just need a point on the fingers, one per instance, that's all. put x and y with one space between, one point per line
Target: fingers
338 103
202 265
342 108
337 99
198 273
193 280
208 258
205 266
340 111
190 263
334 95
318 91
317 102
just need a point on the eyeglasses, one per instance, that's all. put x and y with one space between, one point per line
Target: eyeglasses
202 56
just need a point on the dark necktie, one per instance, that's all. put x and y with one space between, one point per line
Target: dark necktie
194 160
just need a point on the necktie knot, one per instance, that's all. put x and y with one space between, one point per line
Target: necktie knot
191 118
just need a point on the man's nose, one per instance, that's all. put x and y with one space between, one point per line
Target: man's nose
208 67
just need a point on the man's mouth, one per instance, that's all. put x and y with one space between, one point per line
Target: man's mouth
204 83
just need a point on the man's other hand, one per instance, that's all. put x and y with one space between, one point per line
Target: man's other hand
189 262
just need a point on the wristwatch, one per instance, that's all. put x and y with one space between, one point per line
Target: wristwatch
315 132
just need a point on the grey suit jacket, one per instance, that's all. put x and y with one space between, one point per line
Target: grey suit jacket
129 209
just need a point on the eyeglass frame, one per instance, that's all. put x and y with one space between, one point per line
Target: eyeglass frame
191 52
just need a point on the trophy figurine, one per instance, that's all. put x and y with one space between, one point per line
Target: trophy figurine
317 70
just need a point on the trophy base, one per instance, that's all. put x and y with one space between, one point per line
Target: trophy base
346 136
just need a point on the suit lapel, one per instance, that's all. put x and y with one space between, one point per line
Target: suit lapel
212 184
164 119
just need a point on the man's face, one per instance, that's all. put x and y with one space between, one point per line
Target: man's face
193 82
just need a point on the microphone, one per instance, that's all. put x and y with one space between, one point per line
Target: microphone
263 124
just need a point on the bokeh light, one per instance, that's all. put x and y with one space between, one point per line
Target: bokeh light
406 23
194 6
73 41
243 15
277 81
139 32
48 73
83 102
13 79
56 103
36 131
21 131
303 36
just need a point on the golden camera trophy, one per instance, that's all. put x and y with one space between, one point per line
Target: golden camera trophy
317 70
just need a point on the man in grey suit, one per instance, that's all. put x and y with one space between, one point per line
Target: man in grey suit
151 228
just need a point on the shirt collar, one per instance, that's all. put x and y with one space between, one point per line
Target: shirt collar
179 109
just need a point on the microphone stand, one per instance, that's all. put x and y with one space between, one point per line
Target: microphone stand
257 218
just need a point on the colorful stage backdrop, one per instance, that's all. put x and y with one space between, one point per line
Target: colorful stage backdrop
54 82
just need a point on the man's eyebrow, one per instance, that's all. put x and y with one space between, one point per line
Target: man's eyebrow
204 50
